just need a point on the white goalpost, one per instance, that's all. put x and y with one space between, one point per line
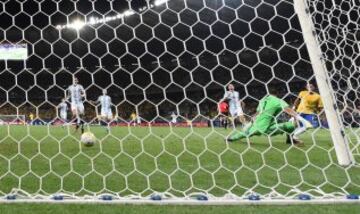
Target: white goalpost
179 79
341 145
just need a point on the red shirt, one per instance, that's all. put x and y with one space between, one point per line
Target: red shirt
223 107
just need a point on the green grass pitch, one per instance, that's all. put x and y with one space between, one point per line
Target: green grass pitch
140 160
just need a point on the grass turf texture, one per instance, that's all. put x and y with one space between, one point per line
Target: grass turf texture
140 160
104 209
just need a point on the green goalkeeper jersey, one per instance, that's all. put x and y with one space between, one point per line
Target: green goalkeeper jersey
265 122
269 107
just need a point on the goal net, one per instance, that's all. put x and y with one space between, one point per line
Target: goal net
338 34
167 66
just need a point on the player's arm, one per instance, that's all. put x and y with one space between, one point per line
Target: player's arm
297 101
290 112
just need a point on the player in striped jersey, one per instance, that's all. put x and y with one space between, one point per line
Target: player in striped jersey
234 102
76 93
63 107
105 114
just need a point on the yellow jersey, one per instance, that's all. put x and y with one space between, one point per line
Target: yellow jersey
310 103
31 116
133 116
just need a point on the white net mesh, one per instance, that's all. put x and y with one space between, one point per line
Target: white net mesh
166 66
338 34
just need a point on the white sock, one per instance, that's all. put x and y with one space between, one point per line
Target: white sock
78 120
301 119
299 130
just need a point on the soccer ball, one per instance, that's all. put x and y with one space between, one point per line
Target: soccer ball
88 139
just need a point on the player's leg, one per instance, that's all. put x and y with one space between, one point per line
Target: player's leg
63 117
173 121
305 121
138 121
104 122
103 118
80 110
221 120
108 119
226 120
77 119
233 116
74 115
241 115
288 128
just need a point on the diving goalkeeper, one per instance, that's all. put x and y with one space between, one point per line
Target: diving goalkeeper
264 122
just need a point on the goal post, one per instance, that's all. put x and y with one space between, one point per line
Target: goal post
342 149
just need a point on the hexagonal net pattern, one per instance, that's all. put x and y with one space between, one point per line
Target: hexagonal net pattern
337 28
166 64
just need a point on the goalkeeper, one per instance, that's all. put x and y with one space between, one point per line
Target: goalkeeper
264 122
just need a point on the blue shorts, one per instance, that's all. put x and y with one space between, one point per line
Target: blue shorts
312 118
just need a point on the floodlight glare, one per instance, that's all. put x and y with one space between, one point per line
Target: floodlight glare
129 13
77 24
92 20
160 2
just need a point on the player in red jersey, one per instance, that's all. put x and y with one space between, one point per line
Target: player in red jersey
224 112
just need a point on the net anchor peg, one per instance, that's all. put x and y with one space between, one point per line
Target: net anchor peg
11 197
352 197
254 197
304 197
